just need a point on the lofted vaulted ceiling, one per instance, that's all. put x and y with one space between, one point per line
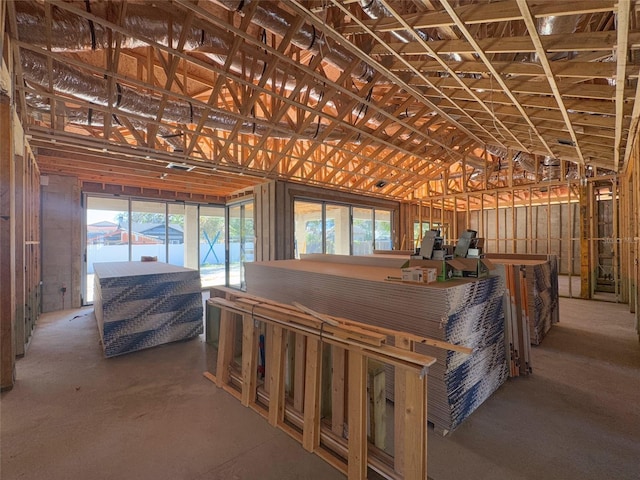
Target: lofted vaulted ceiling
390 98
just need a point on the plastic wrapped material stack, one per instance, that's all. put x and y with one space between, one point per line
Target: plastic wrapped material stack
542 290
465 312
143 304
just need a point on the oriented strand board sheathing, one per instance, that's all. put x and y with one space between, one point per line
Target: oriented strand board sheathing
143 304
462 311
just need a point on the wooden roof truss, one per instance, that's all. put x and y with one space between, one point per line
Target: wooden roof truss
420 98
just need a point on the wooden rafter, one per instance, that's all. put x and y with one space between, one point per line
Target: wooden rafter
542 56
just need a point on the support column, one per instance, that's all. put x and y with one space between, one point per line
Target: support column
585 243
7 247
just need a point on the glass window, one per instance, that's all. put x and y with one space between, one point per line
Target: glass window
308 231
337 239
241 242
382 232
362 231
176 234
212 256
106 235
148 230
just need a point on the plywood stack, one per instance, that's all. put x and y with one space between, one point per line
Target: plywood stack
541 289
143 304
461 312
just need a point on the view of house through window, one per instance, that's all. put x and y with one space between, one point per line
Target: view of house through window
322 227
193 236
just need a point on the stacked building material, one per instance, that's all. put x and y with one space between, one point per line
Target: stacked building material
143 304
465 312
541 290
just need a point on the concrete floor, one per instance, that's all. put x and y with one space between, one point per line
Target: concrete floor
151 414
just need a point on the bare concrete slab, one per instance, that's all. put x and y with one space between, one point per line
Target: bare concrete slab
151 414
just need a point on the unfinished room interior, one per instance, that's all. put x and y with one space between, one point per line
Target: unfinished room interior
320 239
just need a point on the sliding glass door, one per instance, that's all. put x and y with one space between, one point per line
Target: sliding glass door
216 240
323 227
213 250
106 236
241 242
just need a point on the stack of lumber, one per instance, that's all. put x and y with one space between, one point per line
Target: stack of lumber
143 304
541 290
516 308
467 312
335 330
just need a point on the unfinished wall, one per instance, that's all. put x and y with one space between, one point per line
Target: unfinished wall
61 243
539 229
19 236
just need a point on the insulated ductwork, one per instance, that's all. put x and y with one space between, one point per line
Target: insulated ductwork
376 10
93 89
525 160
272 18
93 118
550 169
71 33
556 25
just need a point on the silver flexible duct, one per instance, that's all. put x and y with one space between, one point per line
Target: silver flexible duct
556 25
271 17
93 89
376 10
525 160
92 118
550 169
71 33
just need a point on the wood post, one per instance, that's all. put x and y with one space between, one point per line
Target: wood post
299 373
311 430
21 200
357 461
376 379
399 405
225 347
7 247
415 425
338 358
250 354
275 360
585 242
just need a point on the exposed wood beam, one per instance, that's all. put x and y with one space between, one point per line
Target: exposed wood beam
487 13
493 71
576 42
621 81
542 57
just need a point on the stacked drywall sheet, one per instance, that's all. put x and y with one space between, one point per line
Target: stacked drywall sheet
542 290
143 304
375 260
465 312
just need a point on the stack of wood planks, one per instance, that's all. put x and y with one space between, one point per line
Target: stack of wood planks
355 349
465 312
